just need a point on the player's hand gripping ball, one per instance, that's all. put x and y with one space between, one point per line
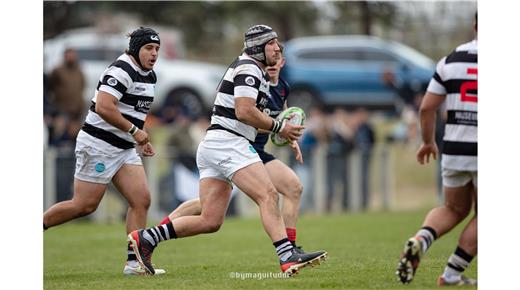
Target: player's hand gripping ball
295 116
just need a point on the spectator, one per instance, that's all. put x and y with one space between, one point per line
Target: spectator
67 83
182 181
364 139
315 133
407 90
340 146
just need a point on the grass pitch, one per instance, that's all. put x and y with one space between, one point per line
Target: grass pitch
363 254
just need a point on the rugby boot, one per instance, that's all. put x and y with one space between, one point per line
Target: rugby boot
143 250
463 281
132 270
300 260
409 261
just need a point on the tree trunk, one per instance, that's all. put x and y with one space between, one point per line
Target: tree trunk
366 20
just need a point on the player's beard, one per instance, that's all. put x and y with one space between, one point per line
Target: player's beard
271 61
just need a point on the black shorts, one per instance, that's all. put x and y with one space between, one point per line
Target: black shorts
266 157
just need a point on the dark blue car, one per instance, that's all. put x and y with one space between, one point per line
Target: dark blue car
348 70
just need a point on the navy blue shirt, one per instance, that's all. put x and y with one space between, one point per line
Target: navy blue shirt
276 100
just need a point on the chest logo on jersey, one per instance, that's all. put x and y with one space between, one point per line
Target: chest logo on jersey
262 103
112 82
143 106
250 81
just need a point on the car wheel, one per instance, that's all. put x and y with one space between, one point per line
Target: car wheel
303 98
188 99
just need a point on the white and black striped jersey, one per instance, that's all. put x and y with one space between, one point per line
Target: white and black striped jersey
456 77
134 88
243 78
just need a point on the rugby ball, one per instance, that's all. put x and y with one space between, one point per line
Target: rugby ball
295 116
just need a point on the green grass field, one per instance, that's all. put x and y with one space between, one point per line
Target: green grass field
363 253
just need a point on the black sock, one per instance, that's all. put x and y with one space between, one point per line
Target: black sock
131 253
283 249
458 262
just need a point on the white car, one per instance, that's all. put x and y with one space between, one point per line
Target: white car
192 84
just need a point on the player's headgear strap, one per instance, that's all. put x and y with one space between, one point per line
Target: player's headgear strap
256 38
140 37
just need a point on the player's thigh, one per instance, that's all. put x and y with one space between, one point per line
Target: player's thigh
214 197
131 182
88 194
283 177
459 198
475 198
458 189
254 181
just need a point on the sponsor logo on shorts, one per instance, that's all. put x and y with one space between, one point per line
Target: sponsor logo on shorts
225 161
252 149
100 167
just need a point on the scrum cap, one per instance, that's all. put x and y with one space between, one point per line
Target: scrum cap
256 37
140 37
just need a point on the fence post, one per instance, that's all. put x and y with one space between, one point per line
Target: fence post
49 177
151 166
319 176
386 178
354 173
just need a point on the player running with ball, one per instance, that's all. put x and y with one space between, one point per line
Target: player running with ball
226 156
283 177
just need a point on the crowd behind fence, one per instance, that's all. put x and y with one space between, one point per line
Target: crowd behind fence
171 183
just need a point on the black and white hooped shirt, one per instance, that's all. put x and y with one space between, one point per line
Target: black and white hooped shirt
456 77
134 88
243 78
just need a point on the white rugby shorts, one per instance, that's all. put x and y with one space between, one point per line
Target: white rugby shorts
221 154
97 166
457 178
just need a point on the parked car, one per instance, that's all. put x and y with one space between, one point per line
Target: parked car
347 70
189 83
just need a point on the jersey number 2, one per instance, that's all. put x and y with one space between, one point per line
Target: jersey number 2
469 85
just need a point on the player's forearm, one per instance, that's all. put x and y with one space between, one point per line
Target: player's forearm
427 120
111 115
253 117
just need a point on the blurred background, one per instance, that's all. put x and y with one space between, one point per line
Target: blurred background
359 70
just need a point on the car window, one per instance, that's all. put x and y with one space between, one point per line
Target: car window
97 54
331 54
348 54
413 55
372 55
